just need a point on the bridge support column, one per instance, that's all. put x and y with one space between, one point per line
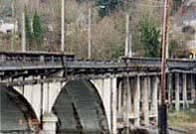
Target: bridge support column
193 87
128 104
124 99
113 98
137 102
169 88
145 103
177 92
49 123
154 103
119 97
185 103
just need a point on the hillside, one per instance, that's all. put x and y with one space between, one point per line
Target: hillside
107 23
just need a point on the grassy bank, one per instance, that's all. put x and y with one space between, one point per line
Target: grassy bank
184 120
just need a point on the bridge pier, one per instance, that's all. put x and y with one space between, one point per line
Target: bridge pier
177 92
185 103
193 87
119 94
128 102
113 95
107 89
145 100
170 90
49 123
137 101
154 98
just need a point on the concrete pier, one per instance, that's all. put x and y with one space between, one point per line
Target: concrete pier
137 102
129 104
49 123
177 92
119 96
170 91
193 87
154 100
145 103
113 96
185 103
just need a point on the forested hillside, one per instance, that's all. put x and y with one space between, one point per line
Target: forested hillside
108 21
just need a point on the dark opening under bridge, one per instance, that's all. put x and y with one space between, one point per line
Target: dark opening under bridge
64 94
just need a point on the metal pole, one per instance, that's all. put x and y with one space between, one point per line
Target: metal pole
13 31
23 33
127 35
89 33
62 25
163 107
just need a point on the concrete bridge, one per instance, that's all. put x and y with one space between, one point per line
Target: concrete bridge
56 93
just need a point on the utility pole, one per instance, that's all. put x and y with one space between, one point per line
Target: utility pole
128 51
163 126
23 43
127 35
36 4
167 48
13 31
62 25
89 33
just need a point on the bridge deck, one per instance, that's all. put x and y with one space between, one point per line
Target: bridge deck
13 65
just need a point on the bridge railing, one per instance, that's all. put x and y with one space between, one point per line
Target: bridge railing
59 60
156 62
33 59
181 63
94 64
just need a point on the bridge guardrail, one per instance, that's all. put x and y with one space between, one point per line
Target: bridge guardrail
54 60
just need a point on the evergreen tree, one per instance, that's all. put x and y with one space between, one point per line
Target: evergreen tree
150 36
29 34
37 30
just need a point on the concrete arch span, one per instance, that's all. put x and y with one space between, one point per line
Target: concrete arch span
16 114
80 110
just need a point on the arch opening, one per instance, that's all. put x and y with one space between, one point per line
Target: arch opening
16 114
79 109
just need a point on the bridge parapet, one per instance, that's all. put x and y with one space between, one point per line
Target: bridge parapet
40 63
41 58
38 57
183 64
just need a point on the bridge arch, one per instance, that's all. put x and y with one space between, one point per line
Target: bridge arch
79 108
17 115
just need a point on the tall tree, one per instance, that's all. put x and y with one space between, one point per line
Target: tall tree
150 36
37 30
